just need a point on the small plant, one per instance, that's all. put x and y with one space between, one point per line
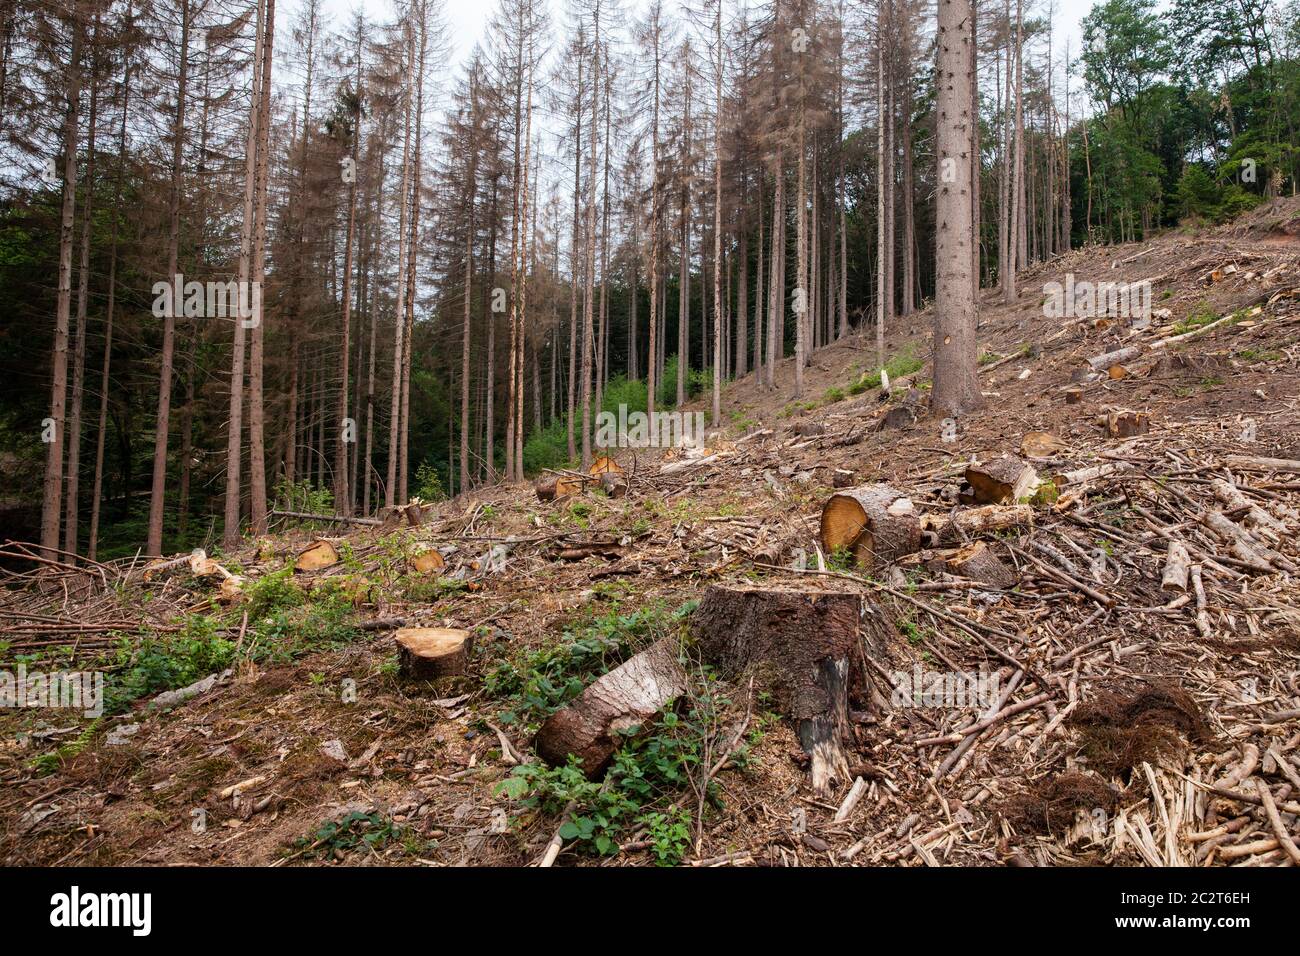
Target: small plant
355 830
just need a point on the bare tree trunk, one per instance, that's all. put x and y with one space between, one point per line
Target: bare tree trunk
256 410
346 435
956 382
399 314
53 487
234 438
71 524
97 492
717 219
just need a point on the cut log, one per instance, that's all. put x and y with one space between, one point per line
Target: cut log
874 522
426 653
552 487
1117 372
808 648
591 726
427 562
1004 481
1252 463
973 522
809 429
1081 476
1123 423
978 563
1237 502
685 464
317 555
605 465
1243 545
232 589
1099 362
1177 565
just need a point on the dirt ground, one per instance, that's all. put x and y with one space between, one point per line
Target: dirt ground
1143 710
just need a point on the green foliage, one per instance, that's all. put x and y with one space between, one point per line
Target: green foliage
303 496
535 684
271 593
429 485
355 830
698 381
168 661
646 771
903 362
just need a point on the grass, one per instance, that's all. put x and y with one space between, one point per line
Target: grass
903 362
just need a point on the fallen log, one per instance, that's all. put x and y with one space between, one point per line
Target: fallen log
308 516
1238 503
589 728
1251 463
1099 362
1005 480
873 522
552 487
426 653
973 522
1177 565
809 650
613 484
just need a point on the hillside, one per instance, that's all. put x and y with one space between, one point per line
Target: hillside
1133 723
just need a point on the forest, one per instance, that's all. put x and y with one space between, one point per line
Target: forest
456 265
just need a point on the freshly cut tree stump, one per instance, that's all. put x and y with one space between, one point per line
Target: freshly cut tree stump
625 697
429 652
604 465
317 555
841 478
900 416
1127 424
427 562
1005 480
808 648
875 522
976 562
1073 396
557 486
1042 445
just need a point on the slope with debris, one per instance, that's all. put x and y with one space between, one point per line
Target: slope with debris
1083 636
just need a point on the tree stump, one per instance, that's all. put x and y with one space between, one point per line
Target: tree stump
426 653
807 648
976 562
625 697
317 555
613 484
1007 479
1127 424
875 522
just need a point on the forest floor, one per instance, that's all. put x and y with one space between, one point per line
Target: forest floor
1126 704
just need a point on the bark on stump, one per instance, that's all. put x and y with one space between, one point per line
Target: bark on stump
976 562
807 648
625 697
875 522
426 653
1008 479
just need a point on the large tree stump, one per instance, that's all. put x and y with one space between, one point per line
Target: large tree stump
625 697
807 647
426 653
874 522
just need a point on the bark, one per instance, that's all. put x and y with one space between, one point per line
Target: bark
956 382
875 523
592 727
427 653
